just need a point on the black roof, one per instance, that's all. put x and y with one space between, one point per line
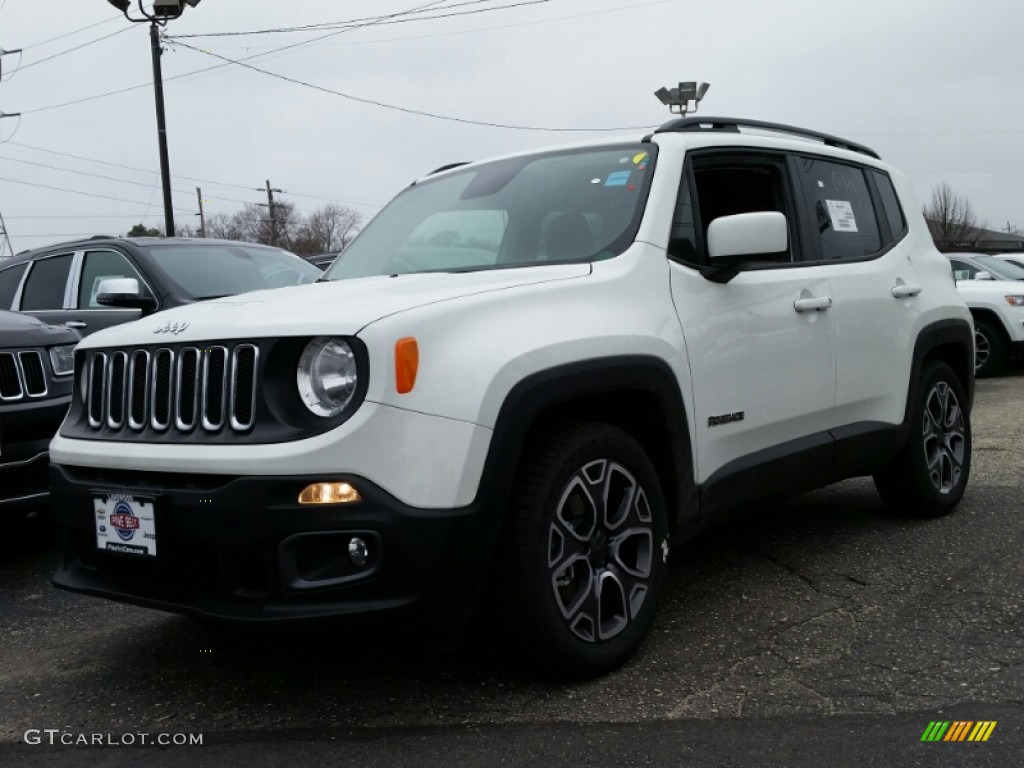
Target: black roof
115 240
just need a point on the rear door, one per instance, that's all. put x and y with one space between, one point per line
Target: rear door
856 235
45 291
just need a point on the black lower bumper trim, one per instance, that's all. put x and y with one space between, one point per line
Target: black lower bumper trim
242 548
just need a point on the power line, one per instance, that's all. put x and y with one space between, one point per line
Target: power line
74 32
90 216
221 66
469 31
71 50
351 23
407 110
77 192
178 176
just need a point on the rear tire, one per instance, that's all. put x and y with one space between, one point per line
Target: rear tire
584 553
928 477
989 350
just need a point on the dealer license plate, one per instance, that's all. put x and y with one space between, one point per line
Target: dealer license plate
125 524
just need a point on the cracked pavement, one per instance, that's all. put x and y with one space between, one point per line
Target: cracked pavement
822 607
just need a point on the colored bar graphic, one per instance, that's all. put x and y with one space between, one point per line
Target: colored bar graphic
958 730
935 730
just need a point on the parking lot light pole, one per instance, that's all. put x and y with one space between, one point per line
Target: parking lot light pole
162 12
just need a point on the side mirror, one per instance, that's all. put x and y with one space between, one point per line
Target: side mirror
754 236
744 238
124 292
983 275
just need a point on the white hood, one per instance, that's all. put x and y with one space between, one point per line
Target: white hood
341 307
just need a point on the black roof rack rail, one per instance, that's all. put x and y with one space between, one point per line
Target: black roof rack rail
734 124
448 167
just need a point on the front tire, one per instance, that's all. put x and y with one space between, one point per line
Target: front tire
585 551
928 477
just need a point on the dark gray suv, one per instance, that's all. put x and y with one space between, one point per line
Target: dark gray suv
96 283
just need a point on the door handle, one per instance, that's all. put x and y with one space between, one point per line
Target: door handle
816 304
903 290
75 324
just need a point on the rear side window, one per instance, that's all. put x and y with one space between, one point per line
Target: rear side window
840 209
890 204
46 283
10 279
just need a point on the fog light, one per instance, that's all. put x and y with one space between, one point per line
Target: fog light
357 552
329 493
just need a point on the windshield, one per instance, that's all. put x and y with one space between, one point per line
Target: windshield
208 270
579 205
1000 267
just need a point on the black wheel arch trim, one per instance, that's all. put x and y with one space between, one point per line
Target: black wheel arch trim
543 391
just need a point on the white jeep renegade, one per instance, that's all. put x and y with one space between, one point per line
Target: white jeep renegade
537 372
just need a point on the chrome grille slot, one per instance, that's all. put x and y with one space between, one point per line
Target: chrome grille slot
187 387
162 389
243 386
33 373
171 390
138 386
97 389
117 376
215 380
10 378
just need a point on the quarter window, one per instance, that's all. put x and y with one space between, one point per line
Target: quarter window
10 279
46 283
839 207
100 266
890 204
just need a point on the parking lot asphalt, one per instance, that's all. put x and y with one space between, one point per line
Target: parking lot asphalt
820 631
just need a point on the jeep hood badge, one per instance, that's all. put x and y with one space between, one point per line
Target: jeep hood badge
170 327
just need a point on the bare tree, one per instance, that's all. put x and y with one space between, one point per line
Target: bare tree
329 228
951 219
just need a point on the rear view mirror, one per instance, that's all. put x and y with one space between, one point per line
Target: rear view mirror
124 292
983 275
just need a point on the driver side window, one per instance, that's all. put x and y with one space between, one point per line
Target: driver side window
100 266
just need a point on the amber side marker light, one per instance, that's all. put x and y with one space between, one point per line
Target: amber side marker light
329 493
407 362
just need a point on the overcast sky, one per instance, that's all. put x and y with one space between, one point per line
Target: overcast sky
933 85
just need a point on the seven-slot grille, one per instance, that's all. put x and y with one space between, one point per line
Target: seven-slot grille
184 389
21 375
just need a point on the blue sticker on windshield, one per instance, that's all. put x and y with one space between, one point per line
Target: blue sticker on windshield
617 179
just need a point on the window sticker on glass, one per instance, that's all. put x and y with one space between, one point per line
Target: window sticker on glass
640 160
841 213
617 179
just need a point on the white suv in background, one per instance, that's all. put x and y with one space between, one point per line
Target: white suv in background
526 380
997 306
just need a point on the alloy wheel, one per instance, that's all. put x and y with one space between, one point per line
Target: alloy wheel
601 550
982 349
945 445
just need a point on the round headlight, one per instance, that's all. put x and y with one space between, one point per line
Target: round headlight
327 376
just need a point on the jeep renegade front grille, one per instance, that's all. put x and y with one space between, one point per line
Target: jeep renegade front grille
182 389
21 375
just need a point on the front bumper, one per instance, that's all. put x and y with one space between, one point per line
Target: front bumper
242 548
25 433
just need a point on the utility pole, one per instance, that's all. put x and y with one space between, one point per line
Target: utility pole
161 128
4 53
6 251
272 211
202 218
